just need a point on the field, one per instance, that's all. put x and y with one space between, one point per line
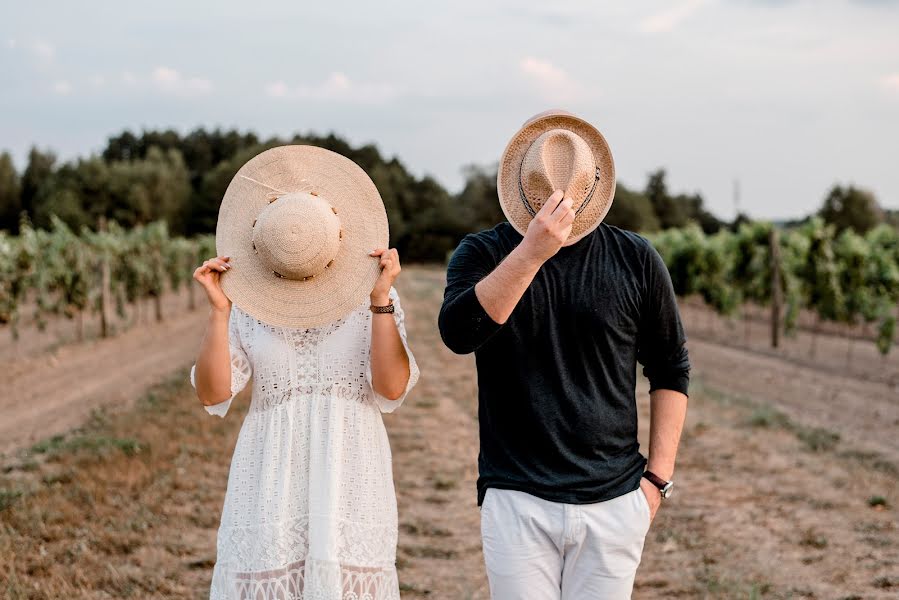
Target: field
787 479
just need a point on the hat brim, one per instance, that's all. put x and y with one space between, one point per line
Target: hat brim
347 282
509 173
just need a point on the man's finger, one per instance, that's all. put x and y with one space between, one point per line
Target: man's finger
563 209
552 202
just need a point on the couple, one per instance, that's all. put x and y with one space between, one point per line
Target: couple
558 309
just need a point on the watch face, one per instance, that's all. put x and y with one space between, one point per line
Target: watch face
668 489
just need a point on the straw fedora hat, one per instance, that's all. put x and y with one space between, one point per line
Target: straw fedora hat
557 150
298 223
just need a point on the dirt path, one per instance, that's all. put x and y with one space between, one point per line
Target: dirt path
862 412
762 510
53 392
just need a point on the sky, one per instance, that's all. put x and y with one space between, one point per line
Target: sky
778 99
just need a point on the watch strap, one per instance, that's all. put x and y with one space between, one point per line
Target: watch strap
655 479
382 309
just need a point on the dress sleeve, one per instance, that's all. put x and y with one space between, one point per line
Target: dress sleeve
385 404
241 370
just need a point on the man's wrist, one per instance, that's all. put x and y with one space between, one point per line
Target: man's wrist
526 258
662 471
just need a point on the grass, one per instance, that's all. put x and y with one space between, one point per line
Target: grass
875 501
90 444
131 498
815 439
766 416
8 498
813 539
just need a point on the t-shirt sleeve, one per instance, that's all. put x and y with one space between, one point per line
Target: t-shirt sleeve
241 370
464 324
661 342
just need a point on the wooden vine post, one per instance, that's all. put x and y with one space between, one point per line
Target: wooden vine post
776 290
104 283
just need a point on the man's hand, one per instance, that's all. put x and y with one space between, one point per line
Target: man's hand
653 496
549 229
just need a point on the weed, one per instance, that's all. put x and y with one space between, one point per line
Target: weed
877 501
8 498
813 539
766 416
411 589
818 439
444 484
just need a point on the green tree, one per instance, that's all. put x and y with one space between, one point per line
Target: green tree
10 194
39 170
478 202
632 210
851 208
669 212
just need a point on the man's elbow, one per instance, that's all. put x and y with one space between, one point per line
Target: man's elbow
452 340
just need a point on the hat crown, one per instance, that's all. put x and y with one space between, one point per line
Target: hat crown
297 235
558 159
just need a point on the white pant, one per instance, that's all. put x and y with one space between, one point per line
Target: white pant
535 549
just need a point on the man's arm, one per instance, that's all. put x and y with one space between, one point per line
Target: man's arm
668 410
662 352
472 297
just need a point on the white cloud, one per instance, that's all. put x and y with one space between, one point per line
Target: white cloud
129 78
278 89
668 19
890 82
11 43
552 82
171 81
43 50
62 88
97 80
336 87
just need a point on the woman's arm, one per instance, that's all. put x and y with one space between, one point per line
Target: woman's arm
213 370
389 361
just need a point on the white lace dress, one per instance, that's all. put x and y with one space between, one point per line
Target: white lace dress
310 510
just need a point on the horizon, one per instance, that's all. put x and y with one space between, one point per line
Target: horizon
787 98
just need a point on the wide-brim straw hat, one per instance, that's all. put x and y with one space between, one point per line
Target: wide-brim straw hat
298 223
557 150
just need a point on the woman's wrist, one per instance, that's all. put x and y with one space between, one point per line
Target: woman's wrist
217 313
380 299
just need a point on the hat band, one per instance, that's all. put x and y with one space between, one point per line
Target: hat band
530 209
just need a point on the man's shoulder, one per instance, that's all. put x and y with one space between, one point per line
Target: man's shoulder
495 238
625 238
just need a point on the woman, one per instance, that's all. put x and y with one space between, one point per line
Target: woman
310 510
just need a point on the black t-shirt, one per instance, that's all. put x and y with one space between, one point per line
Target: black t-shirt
556 382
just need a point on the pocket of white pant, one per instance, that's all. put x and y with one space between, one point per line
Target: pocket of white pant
647 512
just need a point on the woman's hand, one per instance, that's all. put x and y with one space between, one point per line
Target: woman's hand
390 270
209 276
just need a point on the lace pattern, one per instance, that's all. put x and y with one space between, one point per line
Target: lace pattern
310 510
312 580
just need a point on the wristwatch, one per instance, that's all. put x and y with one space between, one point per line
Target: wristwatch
665 487
382 309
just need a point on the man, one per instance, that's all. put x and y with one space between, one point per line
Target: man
558 309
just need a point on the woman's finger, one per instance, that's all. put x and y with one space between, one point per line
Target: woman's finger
377 252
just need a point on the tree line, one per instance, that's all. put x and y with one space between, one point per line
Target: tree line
163 175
